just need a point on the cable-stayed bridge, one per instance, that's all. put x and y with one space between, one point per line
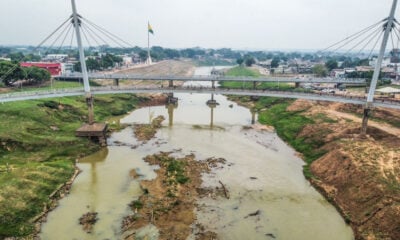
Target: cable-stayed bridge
32 95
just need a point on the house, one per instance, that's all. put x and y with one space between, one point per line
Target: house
53 68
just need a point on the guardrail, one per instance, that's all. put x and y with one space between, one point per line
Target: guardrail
216 78
346 98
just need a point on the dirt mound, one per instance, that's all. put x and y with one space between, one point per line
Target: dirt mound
145 132
88 220
169 67
361 176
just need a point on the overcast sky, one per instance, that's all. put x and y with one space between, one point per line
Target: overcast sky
238 24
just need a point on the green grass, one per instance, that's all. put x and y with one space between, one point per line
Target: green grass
174 167
288 125
213 62
53 85
241 71
38 144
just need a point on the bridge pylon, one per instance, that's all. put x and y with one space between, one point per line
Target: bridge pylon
92 129
388 26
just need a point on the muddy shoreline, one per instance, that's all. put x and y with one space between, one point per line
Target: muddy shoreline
169 201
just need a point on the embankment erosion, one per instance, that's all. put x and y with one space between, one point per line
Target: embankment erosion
359 175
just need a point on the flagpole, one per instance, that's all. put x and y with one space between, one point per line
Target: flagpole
148 44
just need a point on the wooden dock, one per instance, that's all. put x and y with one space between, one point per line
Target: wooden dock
96 131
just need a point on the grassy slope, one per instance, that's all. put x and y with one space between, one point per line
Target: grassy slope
37 143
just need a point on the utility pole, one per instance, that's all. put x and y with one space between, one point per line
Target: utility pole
88 94
370 98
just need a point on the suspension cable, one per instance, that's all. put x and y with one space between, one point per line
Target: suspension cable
107 32
37 47
351 37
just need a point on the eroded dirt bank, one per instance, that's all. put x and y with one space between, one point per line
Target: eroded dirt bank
361 176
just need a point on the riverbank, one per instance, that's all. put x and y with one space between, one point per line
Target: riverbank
360 176
38 151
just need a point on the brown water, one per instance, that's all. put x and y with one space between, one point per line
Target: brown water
262 173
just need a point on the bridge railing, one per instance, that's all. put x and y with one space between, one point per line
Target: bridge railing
200 89
216 78
40 92
233 90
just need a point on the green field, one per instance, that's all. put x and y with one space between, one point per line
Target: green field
38 149
241 71
51 85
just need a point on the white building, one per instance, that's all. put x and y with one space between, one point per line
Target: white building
56 57
67 68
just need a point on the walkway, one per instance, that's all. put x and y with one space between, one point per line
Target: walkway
19 96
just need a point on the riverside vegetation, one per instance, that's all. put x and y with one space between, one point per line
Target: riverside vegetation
38 150
360 176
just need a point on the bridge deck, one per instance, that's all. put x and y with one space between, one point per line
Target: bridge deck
10 97
214 78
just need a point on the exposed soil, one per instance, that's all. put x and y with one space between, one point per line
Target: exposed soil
145 132
361 176
169 200
88 220
163 68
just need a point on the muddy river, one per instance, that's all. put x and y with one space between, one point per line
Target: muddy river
262 174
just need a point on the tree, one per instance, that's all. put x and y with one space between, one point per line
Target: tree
320 70
363 62
37 75
249 61
331 64
92 64
16 56
11 72
240 61
275 62
143 55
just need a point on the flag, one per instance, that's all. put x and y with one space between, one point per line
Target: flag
150 29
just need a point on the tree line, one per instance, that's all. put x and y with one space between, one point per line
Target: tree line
11 72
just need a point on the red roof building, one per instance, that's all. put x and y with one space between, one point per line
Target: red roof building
53 68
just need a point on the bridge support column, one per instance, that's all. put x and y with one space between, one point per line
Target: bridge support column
212 104
116 82
297 84
171 99
171 107
170 83
253 115
364 125
89 102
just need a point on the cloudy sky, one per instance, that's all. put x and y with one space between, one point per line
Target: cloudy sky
238 24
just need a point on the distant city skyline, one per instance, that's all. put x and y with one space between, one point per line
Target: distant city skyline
236 24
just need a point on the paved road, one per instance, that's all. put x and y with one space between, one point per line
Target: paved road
19 96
